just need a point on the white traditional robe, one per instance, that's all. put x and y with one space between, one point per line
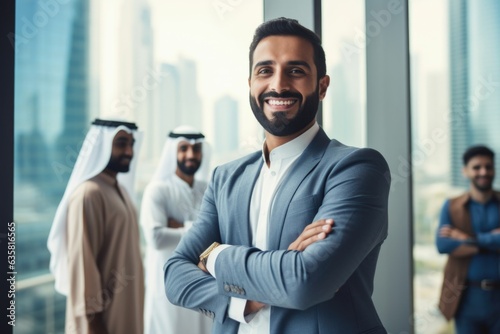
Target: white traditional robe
104 259
172 198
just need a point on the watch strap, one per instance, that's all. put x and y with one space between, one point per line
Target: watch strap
206 253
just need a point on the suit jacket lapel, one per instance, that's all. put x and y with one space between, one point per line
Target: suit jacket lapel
297 172
244 235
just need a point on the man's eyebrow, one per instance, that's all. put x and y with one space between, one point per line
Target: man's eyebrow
124 139
291 62
264 63
299 63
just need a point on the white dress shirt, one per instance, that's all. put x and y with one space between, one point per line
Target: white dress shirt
268 182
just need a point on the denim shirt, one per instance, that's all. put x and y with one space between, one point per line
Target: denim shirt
485 217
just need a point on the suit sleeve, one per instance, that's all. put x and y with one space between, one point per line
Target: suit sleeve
356 197
185 284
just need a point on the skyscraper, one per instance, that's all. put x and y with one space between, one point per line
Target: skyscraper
190 102
137 84
475 79
75 113
51 116
226 125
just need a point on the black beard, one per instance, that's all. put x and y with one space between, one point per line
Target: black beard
280 125
483 188
188 170
115 165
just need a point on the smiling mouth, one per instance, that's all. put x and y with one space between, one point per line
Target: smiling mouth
273 102
484 179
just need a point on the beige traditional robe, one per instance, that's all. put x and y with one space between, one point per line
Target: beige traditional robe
105 265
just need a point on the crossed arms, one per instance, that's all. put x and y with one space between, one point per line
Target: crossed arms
354 193
452 240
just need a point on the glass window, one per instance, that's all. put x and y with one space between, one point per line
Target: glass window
158 63
344 41
430 82
455 97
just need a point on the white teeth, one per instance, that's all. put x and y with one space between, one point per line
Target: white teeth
281 102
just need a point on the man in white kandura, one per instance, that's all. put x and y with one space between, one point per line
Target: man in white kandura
169 205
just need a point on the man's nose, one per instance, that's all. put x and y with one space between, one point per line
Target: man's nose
130 150
483 171
279 82
190 153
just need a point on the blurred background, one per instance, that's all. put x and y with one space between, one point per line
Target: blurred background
165 63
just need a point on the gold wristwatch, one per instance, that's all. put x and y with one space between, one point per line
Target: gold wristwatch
206 253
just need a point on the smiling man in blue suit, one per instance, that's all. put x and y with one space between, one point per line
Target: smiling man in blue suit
287 238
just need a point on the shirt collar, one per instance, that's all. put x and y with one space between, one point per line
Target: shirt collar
467 198
294 147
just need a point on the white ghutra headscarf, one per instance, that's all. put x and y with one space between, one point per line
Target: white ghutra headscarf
168 160
92 160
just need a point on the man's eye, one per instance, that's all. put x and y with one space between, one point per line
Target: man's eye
264 71
296 71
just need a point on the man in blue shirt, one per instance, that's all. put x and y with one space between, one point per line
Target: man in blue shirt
469 231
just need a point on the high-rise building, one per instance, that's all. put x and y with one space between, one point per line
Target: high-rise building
345 99
136 86
51 118
167 105
226 125
190 103
75 109
177 99
50 99
474 77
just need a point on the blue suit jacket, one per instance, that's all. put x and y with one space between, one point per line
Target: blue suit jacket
325 289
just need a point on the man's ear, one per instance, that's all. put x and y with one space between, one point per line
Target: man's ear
324 82
464 173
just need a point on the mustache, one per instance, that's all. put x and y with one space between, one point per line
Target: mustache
283 95
192 160
125 156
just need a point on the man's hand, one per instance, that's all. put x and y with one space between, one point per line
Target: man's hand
313 232
172 223
252 306
202 267
454 233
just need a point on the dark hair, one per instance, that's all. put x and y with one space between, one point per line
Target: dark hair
289 27
473 151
